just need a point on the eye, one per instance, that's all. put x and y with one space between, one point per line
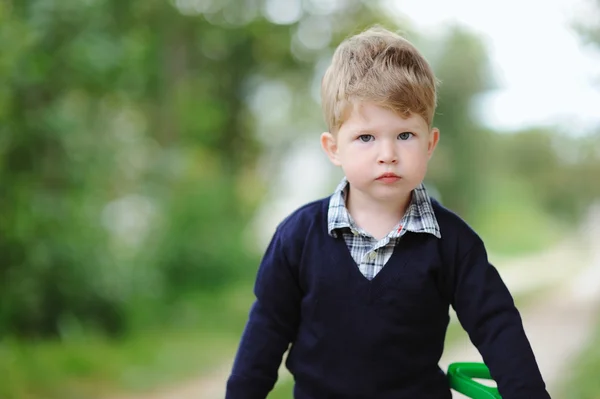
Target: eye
405 135
365 138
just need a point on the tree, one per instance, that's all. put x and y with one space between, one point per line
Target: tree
129 147
459 166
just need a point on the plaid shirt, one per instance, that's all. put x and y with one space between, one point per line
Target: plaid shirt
370 254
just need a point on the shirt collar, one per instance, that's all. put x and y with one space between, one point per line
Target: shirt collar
419 217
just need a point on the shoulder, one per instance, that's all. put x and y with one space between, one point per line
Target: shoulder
454 229
304 219
306 224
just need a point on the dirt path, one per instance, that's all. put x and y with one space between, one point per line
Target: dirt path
210 386
557 325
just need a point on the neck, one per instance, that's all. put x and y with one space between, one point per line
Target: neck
376 217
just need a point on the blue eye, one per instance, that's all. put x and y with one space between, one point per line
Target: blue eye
365 138
405 135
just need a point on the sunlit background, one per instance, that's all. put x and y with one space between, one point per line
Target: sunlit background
148 148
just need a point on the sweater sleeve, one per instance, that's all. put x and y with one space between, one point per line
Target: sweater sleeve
486 310
271 326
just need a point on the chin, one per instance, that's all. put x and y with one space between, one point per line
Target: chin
390 193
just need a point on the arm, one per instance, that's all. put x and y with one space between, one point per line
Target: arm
271 326
487 312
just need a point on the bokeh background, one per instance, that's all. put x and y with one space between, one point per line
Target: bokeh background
148 148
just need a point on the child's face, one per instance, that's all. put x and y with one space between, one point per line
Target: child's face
383 155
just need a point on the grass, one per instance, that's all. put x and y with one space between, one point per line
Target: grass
92 366
510 221
96 366
283 390
583 381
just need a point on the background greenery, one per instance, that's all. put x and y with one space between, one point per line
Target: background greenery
137 141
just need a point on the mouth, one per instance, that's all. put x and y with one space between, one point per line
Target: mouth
388 175
388 178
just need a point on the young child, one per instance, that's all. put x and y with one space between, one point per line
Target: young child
360 283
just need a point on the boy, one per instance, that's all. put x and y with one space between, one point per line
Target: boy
360 283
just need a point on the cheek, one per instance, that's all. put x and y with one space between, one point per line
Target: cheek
358 158
354 166
416 158
353 153
421 151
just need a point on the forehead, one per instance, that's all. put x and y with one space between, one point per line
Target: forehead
373 117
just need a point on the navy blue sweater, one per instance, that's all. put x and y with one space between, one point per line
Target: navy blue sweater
355 338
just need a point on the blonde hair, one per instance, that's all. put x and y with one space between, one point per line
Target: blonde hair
382 67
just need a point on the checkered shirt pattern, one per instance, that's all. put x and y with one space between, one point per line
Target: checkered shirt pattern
369 253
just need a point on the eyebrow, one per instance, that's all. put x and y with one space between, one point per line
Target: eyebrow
409 129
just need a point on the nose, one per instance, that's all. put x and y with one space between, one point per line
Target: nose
387 154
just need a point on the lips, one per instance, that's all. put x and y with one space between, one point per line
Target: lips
388 175
388 178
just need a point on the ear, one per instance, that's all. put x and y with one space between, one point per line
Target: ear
434 137
329 145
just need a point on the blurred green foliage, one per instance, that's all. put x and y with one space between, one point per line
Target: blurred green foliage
129 160
113 142
193 339
131 140
583 382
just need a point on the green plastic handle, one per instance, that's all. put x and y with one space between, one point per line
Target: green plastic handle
460 376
